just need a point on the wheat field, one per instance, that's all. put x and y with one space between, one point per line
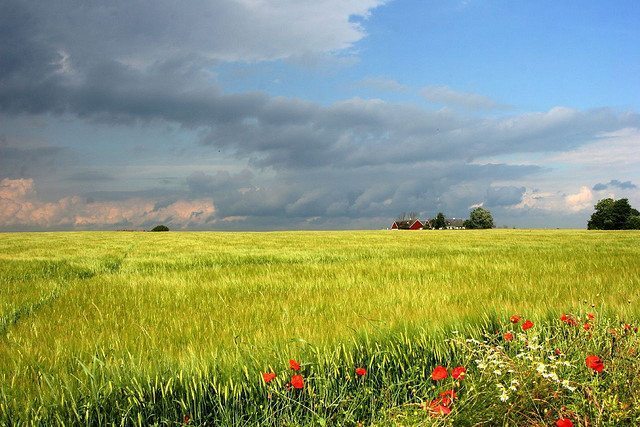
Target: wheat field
131 328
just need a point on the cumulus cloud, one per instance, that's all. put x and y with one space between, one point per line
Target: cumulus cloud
20 206
446 96
581 200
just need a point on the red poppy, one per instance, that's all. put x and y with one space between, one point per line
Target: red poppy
587 326
361 372
439 373
459 372
591 316
297 381
294 365
268 376
595 363
564 422
528 324
437 408
557 351
186 419
515 319
508 336
627 327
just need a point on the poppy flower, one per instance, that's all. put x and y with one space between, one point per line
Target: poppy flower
437 408
515 319
294 365
268 376
557 351
508 336
595 363
528 324
587 326
459 372
439 373
361 372
186 419
591 316
297 381
564 422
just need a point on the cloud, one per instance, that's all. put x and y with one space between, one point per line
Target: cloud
446 96
626 185
142 31
581 200
20 206
617 148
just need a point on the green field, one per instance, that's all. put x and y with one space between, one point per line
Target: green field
143 328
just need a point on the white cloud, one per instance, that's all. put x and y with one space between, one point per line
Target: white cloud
581 200
610 149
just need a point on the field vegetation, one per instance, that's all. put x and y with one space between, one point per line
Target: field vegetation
171 328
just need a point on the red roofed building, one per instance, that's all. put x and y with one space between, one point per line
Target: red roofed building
412 224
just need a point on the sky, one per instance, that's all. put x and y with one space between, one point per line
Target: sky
323 114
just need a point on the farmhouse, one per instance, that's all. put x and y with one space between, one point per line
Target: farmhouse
455 224
411 224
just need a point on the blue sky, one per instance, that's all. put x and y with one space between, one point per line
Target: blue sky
246 114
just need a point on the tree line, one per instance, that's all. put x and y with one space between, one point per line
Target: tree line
479 218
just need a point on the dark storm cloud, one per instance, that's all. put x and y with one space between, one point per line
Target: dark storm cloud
626 185
89 72
352 193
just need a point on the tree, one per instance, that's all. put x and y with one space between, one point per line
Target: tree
439 221
479 218
160 228
613 214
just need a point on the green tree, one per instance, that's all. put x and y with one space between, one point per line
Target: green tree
439 221
160 228
479 218
613 214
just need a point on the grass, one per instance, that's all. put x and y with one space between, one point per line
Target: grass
143 328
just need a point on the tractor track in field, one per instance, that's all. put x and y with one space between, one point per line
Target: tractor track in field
110 266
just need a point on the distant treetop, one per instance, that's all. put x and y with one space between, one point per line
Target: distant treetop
160 228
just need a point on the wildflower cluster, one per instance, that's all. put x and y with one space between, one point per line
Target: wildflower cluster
442 404
297 380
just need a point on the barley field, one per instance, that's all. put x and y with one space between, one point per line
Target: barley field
131 328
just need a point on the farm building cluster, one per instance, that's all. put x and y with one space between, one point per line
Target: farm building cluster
428 224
